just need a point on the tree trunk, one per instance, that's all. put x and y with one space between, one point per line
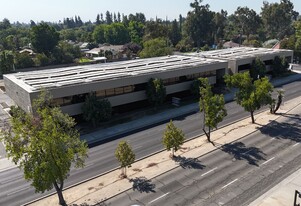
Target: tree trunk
173 152
60 194
252 117
278 104
207 134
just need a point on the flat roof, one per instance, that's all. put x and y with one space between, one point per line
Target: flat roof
238 53
54 78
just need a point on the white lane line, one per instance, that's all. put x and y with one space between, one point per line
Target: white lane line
158 198
248 151
268 161
208 172
229 183
88 165
296 144
20 190
137 147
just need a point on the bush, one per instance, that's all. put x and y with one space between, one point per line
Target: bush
23 60
42 60
96 111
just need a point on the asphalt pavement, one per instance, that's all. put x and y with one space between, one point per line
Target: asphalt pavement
246 161
101 158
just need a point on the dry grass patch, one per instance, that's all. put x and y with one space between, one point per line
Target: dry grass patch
137 170
151 164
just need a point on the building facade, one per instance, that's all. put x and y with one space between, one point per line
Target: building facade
240 58
121 82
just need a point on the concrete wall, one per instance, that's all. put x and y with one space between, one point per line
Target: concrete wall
16 92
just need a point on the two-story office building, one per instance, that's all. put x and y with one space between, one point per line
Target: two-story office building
240 58
121 83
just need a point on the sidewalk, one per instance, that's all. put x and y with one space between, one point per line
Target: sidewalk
282 194
105 186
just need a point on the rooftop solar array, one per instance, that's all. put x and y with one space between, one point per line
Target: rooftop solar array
53 78
238 53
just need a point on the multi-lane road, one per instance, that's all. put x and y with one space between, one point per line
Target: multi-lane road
14 190
235 174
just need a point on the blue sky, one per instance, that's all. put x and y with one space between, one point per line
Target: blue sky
55 10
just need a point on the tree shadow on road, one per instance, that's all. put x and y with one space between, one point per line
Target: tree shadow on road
141 184
188 163
97 203
283 130
241 152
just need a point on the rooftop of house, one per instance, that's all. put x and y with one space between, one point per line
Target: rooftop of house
53 78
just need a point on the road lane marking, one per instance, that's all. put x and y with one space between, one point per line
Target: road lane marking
158 198
248 151
229 183
137 147
20 190
296 144
268 161
208 172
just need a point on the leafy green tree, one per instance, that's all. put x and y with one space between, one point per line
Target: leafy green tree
155 92
124 155
5 24
98 34
278 18
45 146
23 60
65 53
185 44
42 60
136 31
175 33
199 23
155 48
251 96
6 62
116 34
173 138
155 29
257 69
212 106
97 22
247 21
220 21
44 38
96 110
279 66
109 19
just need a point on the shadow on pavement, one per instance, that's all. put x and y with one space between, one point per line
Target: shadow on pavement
241 152
283 130
141 184
188 163
100 203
